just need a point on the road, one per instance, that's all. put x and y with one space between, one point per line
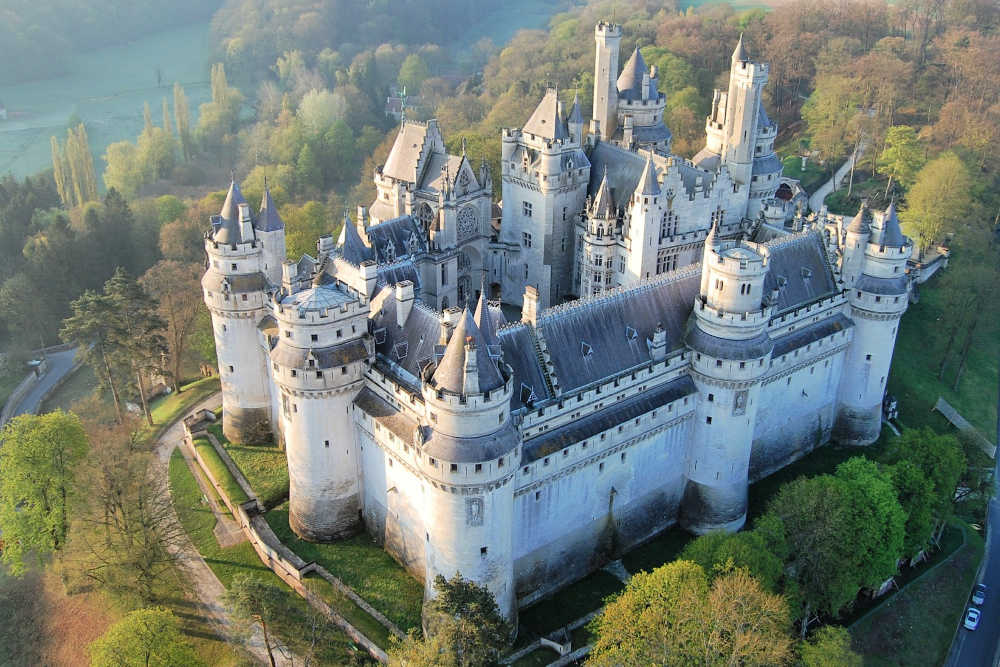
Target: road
816 199
60 363
982 647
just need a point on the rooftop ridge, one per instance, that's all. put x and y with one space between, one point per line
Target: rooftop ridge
618 293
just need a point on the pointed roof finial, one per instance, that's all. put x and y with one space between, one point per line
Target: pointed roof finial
463 146
740 53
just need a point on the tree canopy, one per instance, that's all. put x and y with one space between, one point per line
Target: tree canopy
148 637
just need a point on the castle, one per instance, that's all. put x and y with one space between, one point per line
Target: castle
715 336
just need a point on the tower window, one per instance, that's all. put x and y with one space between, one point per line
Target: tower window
479 467
718 363
526 209
244 296
294 372
231 369
288 334
454 467
319 374
482 551
313 337
708 420
711 398
526 239
538 495
326 443
234 267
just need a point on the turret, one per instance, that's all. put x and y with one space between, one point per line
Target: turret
645 215
746 83
318 367
878 297
271 232
574 122
472 449
235 291
608 37
731 351
599 242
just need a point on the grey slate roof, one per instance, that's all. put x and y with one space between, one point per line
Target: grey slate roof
392 274
603 205
647 134
625 169
762 118
608 418
810 334
601 337
630 80
325 357
802 261
228 229
238 284
519 353
410 347
411 144
470 450
707 159
396 421
545 122
647 181
352 248
768 164
892 235
859 223
723 348
882 286
450 372
575 115
740 52
403 234
268 220
484 320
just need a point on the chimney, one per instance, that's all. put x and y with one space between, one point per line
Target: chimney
470 385
363 217
324 246
404 301
658 346
449 319
288 274
246 223
627 132
529 311
645 86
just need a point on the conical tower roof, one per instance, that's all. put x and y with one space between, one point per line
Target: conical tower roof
859 224
268 220
647 182
602 206
892 235
575 115
740 52
630 81
484 320
450 372
229 230
352 248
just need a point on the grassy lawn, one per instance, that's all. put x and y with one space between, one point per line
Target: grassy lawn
362 565
914 380
662 549
264 466
168 408
569 604
335 647
537 658
220 471
887 636
812 176
347 608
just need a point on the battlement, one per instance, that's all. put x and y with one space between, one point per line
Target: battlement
608 29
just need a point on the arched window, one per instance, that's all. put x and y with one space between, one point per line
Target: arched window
425 214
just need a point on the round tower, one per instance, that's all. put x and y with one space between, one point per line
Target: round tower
318 366
730 354
471 451
608 37
235 291
878 297
598 242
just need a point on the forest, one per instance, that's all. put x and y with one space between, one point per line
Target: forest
298 95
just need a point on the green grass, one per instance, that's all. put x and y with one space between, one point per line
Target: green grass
570 603
264 466
364 566
79 385
198 521
219 471
662 549
167 409
537 658
349 609
916 626
812 176
919 347
8 383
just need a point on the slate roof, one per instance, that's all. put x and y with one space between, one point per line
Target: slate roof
325 357
575 114
392 274
228 229
352 248
859 223
450 372
625 169
647 181
650 133
411 347
603 206
484 320
810 334
268 220
713 346
802 261
882 286
545 122
707 159
740 52
597 338
414 141
768 164
892 235
397 421
630 80
402 235
316 298
762 118
518 347
238 284
469 450
608 418
433 177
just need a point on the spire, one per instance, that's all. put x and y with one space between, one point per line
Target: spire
892 235
467 352
575 115
268 220
352 248
545 122
740 53
229 230
712 239
602 206
630 82
859 225
483 318
647 182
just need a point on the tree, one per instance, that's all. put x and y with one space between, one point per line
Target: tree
182 116
938 201
463 627
916 496
830 646
124 171
81 164
91 329
902 156
38 463
412 73
60 172
829 113
177 288
308 172
144 638
253 601
672 616
720 552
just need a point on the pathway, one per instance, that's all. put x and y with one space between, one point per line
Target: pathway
60 363
202 580
962 424
817 198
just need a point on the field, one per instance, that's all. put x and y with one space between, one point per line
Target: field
106 90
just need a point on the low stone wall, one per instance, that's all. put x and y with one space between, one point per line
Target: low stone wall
281 560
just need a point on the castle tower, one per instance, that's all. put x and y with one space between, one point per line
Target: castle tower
608 37
473 452
235 291
544 186
599 240
645 214
271 232
731 352
574 123
878 297
318 367
746 83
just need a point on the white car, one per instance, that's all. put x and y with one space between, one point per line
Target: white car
979 594
972 618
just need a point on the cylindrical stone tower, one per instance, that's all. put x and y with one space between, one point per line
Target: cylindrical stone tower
471 451
731 352
878 297
235 291
318 367
608 38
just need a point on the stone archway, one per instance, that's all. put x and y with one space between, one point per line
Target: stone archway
425 214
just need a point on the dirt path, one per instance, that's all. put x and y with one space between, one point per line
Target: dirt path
200 577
